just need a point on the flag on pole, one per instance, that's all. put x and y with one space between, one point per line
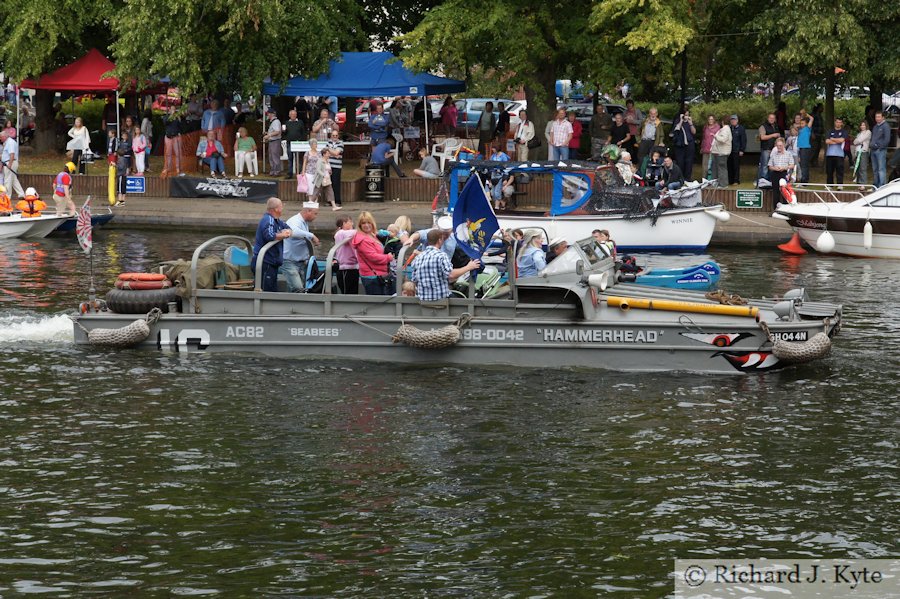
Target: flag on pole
83 228
474 221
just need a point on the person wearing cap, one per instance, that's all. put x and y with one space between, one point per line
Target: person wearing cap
557 248
270 228
62 190
445 225
273 139
738 147
5 203
378 123
298 247
31 206
433 272
531 260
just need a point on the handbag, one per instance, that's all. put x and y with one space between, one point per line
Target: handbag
534 142
302 184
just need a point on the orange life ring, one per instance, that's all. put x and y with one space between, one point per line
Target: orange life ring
143 285
142 276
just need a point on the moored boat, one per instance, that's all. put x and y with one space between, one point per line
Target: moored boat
572 314
97 220
581 197
868 226
699 277
36 227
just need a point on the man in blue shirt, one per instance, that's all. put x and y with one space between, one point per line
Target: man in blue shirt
433 271
881 137
297 248
384 153
270 228
212 120
834 152
804 145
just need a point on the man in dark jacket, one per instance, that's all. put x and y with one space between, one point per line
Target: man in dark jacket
672 178
599 129
881 137
738 146
294 130
270 228
683 135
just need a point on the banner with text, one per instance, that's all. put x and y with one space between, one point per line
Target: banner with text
241 189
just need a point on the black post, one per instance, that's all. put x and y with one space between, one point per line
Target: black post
683 78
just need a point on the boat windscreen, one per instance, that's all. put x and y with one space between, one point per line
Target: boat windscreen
570 192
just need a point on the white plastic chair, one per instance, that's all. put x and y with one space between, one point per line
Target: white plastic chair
443 151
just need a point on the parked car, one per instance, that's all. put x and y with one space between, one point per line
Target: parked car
585 112
469 111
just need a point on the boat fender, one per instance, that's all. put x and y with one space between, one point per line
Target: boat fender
825 242
441 338
123 337
867 235
794 352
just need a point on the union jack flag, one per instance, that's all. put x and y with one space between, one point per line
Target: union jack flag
83 229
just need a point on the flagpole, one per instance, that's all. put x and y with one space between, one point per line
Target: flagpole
92 292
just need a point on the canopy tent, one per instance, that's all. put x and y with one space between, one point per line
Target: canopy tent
84 75
366 74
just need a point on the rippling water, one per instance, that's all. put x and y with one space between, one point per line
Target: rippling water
200 474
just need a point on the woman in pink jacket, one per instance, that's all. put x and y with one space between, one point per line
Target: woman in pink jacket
709 132
374 264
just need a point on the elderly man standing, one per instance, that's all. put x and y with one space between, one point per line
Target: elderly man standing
560 135
9 159
273 139
298 247
433 271
651 135
270 228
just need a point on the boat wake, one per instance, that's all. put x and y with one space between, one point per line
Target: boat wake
18 328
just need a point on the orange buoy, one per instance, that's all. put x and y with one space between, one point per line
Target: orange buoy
793 246
142 276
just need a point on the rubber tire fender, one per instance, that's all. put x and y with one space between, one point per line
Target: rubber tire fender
125 301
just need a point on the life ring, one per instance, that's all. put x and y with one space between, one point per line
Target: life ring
142 276
787 192
143 285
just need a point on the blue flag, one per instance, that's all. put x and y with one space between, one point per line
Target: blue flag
474 222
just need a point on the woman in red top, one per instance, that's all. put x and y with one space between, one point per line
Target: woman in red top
575 142
374 264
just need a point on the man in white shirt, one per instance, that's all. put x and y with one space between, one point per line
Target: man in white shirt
273 138
560 135
9 156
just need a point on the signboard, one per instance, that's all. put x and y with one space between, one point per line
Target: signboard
299 146
749 198
413 91
254 190
135 185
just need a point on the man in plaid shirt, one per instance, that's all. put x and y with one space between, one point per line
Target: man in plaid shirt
780 164
433 272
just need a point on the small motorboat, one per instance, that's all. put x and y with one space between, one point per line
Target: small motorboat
701 277
36 227
97 220
867 227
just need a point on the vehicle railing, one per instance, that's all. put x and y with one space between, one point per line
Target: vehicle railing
192 301
329 262
856 190
260 261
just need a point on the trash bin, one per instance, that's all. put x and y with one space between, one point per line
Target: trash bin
375 174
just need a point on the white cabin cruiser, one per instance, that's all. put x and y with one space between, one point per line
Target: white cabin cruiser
867 227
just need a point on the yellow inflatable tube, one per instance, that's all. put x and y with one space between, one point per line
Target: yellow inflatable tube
626 303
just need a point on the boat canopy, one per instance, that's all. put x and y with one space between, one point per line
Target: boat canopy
573 182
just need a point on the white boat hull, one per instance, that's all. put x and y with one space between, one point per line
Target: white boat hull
13 227
678 229
852 244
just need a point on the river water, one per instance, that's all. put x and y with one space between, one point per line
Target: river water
203 474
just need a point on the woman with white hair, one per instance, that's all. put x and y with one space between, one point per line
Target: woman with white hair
531 259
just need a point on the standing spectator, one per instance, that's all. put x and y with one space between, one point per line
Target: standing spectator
620 133
560 136
80 142
790 144
834 152
147 130
139 148
720 151
804 148
378 123
124 155
738 146
524 134
335 149
9 157
780 163
240 117
109 117
709 132
348 265
294 130
322 186
304 110
172 125
449 115
652 134
273 140
575 142
212 120
487 124
323 126
193 115
211 153
270 228
245 153
502 131
599 129
861 151
781 118
310 162
298 248
332 107
633 118
684 135
818 133
768 133
881 137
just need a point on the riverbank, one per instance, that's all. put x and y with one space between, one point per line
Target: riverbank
204 213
